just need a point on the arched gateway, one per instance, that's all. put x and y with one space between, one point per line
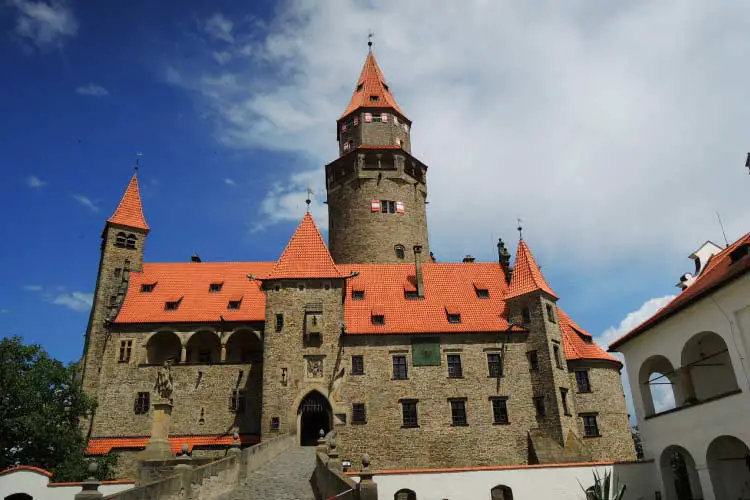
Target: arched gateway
314 414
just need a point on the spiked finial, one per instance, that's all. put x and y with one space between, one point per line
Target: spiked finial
138 157
369 40
520 228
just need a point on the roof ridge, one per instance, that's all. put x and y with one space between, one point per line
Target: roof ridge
129 211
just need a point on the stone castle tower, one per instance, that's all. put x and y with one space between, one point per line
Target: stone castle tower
376 189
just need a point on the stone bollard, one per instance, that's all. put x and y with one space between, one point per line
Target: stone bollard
235 448
90 487
184 469
367 488
321 447
333 455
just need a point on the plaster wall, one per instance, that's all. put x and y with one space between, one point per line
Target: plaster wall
38 486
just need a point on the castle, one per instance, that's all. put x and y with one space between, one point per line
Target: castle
416 362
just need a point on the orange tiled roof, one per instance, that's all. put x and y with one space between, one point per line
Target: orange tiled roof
575 346
191 281
305 256
372 83
446 286
29 468
719 271
102 446
130 210
526 275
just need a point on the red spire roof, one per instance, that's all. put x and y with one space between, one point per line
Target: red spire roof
130 210
526 275
372 91
305 256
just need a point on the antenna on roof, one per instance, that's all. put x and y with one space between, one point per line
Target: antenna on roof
138 157
369 40
520 228
718 216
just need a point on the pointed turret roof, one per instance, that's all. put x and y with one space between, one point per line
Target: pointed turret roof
371 90
526 275
305 256
130 210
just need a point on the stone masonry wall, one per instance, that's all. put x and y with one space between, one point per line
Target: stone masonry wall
358 235
375 133
436 442
607 401
286 378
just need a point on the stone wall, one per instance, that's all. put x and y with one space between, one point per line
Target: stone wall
607 401
375 133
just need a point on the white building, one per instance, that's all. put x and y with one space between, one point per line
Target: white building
32 483
697 346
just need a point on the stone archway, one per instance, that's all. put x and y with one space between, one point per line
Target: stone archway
314 414
679 474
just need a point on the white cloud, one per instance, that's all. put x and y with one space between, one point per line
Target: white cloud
619 123
77 301
634 319
33 288
86 202
222 57
35 182
4 311
288 201
220 28
93 90
44 23
229 182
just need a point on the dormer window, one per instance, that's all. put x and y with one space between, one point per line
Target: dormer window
385 86
215 287
148 287
454 318
358 295
378 319
411 294
172 305
374 98
234 305
359 87
481 291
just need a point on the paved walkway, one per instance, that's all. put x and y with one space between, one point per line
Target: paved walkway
285 478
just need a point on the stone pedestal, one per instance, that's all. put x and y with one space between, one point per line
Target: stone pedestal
158 446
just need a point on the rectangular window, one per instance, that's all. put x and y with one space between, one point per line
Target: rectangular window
400 371
533 361
551 314
409 410
558 359
499 411
458 412
590 427
118 272
495 364
148 287
234 304
541 411
358 365
582 379
142 403
358 295
126 347
482 293
237 402
215 287
171 306
454 366
279 322
564 398
378 319
274 423
454 318
388 206
359 414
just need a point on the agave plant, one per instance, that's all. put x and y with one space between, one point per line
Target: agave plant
604 488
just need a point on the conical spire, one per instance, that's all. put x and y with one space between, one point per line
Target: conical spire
526 275
372 91
305 256
130 210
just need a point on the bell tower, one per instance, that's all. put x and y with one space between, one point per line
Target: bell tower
376 189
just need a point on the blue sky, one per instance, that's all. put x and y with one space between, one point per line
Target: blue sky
616 132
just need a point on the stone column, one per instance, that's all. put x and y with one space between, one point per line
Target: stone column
90 487
223 352
184 469
183 354
367 488
158 446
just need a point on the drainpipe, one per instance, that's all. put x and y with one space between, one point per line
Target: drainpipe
418 263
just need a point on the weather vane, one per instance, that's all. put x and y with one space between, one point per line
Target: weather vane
520 228
138 157
309 197
369 40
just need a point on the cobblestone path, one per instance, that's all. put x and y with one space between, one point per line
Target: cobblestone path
285 478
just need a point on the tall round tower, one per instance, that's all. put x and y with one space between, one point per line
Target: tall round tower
376 189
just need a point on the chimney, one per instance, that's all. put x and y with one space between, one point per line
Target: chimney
418 262
504 257
469 259
195 258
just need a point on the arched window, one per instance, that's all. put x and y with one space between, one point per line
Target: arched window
501 492
120 239
405 495
163 346
203 347
130 241
659 385
727 458
400 251
708 367
679 474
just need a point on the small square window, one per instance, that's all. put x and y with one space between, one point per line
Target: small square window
409 412
279 322
533 361
590 426
582 380
374 98
234 304
458 412
274 423
126 347
378 319
148 287
172 306
118 272
358 365
550 313
483 293
400 370
358 295
215 287
495 364
454 318
359 414
400 252
142 403
564 398
301 287
499 411
541 410
454 366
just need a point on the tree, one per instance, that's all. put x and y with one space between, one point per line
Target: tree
41 403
